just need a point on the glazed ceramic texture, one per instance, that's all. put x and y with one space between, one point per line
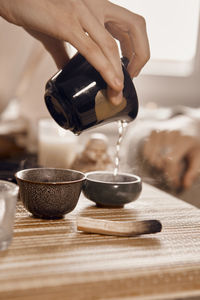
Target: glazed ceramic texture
108 190
49 193
76 97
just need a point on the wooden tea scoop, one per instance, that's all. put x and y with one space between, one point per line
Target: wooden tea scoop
119 228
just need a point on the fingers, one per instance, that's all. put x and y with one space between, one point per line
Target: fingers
125 44
178 144
135 26
183 164
164 146
157 151
152 148
54 46
113 96
173 173
167 151
78 26
193 169
122 37
58 51
82 23
90 50
106 43
106 59
101 50
141 47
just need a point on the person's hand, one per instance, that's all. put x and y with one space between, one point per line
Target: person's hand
177 155
90 26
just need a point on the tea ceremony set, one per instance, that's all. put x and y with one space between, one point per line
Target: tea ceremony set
83 229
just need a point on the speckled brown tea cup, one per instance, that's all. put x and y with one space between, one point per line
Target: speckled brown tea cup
108 190
49 193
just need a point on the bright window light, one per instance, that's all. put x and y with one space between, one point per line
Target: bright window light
172 27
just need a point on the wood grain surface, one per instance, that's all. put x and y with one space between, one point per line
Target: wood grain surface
52 260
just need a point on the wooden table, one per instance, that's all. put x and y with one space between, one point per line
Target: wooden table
51 260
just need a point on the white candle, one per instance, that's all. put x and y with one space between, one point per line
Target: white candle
57 148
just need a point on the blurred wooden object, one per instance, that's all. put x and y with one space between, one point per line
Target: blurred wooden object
52 260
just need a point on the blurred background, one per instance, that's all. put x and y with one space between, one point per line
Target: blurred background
172 75
170 79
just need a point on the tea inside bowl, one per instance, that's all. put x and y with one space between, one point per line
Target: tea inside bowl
50 175
107 178
109 190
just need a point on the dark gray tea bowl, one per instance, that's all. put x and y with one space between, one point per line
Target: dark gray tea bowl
109 190
49 193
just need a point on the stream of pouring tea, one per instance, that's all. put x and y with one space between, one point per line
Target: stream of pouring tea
121 128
